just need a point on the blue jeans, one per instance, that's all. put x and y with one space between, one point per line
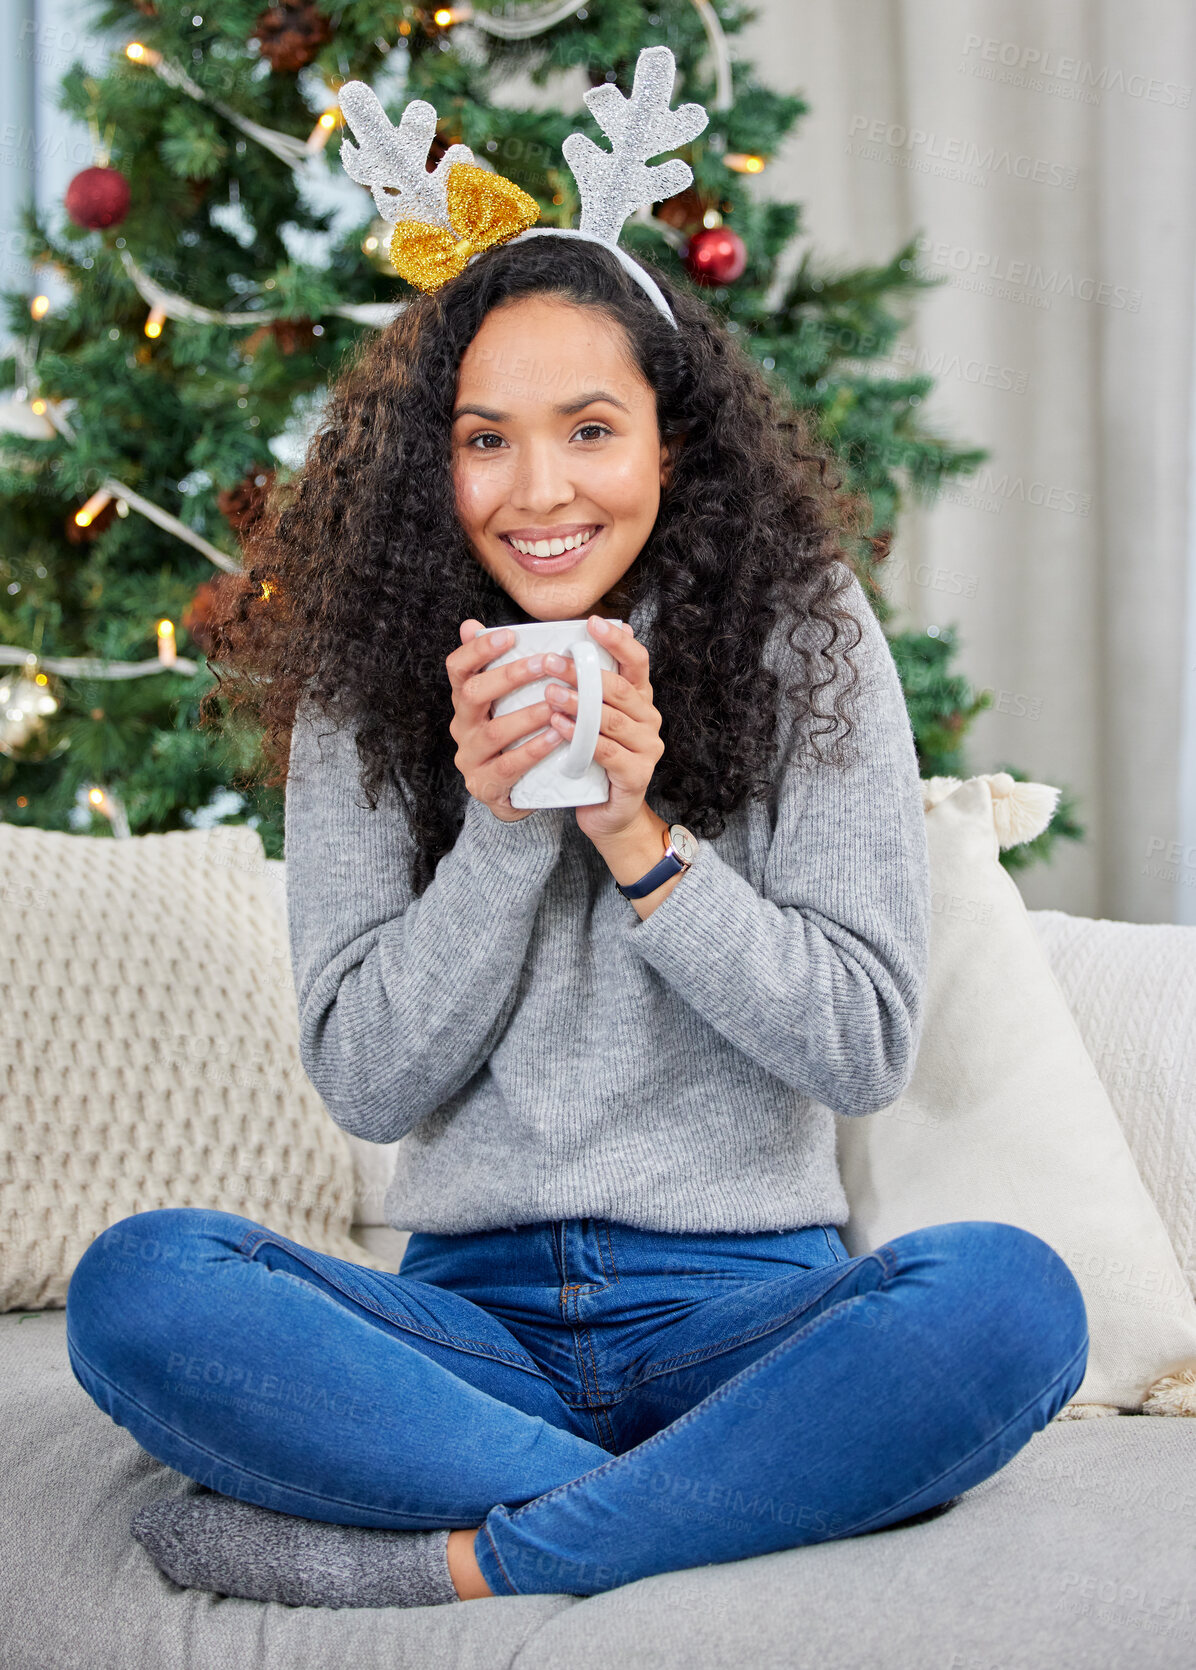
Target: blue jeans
603 1402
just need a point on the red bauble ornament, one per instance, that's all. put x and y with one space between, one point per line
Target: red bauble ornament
98 197
716 255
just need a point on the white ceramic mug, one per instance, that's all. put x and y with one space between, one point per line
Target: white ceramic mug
569 775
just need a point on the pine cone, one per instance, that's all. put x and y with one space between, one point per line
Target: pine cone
195 617
684 211
243 504
290 335
291 34
438 147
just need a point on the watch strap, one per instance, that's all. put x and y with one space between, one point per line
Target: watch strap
668 866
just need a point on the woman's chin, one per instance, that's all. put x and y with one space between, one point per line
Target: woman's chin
576 602
570 595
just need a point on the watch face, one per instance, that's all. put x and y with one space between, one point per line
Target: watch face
686 845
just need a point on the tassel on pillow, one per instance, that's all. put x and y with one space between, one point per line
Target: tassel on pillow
1174 1394
1086 1411
1020 810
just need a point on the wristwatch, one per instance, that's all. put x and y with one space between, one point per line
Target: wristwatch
680 850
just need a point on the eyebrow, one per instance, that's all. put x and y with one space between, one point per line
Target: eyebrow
566 407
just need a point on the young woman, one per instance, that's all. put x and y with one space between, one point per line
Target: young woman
626 1336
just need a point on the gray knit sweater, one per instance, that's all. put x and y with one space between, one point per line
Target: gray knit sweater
543 1053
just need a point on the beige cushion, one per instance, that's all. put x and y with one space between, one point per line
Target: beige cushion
1132 989
149 1051
1006 1118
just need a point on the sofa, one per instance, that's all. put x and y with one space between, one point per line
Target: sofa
1079 1554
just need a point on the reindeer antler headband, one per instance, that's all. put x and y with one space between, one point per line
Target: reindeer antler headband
444 218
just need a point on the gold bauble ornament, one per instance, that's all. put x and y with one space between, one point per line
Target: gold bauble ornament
26 702
376 245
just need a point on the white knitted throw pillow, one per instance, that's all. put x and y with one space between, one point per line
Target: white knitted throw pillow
1006 1117
149 1051
1132 988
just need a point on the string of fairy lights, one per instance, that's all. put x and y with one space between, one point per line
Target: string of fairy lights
26 697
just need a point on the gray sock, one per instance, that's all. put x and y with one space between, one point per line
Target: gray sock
207 1541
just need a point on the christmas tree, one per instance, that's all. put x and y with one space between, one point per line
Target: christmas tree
215 266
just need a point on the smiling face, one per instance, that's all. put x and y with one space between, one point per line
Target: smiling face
557 458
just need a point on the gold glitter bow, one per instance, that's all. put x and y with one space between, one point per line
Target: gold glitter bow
484 209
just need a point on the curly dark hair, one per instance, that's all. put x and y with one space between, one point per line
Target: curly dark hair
359 573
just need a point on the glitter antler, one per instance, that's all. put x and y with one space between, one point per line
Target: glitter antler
397 157
613 183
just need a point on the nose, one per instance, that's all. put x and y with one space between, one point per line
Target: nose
542 478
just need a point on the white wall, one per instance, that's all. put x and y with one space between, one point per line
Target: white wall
1068 567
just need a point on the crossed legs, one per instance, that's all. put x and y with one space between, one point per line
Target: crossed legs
915 1372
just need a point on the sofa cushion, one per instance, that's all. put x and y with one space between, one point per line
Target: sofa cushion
1079 1555
1132 989
1005 1117
77 1592
149 1054
385 1245
1079 1552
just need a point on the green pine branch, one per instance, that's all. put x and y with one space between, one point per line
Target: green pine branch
193 412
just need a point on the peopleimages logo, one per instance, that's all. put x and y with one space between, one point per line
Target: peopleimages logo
939 364
965 154
1038 67
1021 279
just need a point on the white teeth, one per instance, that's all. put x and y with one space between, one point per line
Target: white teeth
552 547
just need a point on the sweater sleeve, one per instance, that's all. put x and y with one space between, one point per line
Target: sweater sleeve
820 978
400 998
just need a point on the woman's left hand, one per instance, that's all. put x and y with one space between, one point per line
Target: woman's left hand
629 744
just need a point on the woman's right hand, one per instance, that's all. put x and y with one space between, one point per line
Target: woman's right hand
489 772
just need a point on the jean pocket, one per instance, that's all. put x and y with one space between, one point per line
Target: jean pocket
812 1247
834 1241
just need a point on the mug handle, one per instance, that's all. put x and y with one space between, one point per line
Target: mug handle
588 723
